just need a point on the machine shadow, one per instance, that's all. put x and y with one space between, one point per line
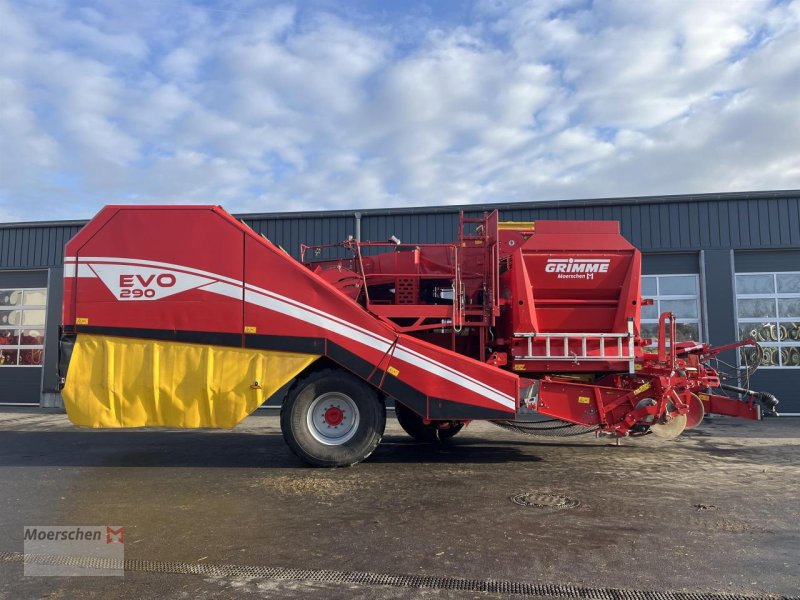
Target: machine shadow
213 449
395 449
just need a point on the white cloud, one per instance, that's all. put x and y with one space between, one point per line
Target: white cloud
302 107
24 146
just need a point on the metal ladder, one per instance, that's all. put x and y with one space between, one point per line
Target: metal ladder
556 351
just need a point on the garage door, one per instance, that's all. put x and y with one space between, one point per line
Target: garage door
23 308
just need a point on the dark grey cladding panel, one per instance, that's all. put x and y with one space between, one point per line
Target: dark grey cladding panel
23 279
25 247
691 224
20 385
411 228
290 232
783 383
765 222
667 264
722 223
755 261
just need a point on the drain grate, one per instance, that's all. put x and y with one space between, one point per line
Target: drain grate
492 586
542 500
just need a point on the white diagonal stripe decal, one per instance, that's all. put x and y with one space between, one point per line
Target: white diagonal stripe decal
232 288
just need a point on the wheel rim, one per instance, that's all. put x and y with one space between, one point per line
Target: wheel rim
333 418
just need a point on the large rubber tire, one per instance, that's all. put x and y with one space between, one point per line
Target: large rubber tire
324 442
412 424
449 432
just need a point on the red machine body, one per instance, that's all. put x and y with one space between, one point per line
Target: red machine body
509 320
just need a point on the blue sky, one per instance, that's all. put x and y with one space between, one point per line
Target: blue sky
263 106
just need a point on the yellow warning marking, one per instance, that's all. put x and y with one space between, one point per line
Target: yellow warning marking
642 388
529 225
249 329
393 371
584 400
637 367
81 321
704 397
519 367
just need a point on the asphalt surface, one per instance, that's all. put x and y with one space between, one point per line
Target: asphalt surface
715 510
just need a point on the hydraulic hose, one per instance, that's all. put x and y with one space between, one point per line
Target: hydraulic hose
768 401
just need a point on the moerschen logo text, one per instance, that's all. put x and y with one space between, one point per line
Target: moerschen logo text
73 534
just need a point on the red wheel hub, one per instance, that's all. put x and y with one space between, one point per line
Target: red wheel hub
334 416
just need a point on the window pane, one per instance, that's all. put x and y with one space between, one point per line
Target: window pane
10 298
760 332
682 285
749 356
790 331
35 298
756 307
30 357
748 331
686 309
10 317
650 312
685 332
755 284
789 307
649 289
790 356
9 337
33 317
771 356
650 330
789 283
8 357
32 337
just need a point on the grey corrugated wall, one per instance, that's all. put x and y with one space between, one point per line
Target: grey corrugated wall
653 224
34 246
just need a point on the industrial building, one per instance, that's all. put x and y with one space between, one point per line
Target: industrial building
728 265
